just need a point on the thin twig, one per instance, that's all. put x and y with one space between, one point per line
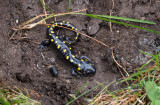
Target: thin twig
119 64
110 24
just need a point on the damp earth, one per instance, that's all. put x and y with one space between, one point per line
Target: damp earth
22 64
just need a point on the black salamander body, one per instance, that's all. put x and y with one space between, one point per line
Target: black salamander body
82 66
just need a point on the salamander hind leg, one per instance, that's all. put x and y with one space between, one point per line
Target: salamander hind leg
87 59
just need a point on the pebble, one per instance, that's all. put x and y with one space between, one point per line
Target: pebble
54 71
93 26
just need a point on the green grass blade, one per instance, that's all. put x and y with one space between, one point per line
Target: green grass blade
105 88
69 5
122 23
78 91
146 53
94 16
126 19
45 6
84 94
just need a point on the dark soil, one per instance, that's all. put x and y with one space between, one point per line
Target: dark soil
21 63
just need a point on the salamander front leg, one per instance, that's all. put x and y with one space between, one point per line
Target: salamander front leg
74 73
44 44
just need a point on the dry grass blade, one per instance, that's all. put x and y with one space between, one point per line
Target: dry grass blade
129 100
31 20
26 25
44 9
145 73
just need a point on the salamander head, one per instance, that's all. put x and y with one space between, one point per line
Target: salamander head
86 68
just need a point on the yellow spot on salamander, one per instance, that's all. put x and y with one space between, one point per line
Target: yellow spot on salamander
68 22
72 28
53 26
79 68
55 41
67 57
52 22
52 32
73 56
77 33
56 24
58 46
64 42
81 59
52 40
76 29
79 64
70 48
71 60
64 50
69 43
90 64
48 26
76 38
68 25
57 37
86 59
61 23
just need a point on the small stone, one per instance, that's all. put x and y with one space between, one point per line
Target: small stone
54 80
52 60
54 71
93 26
68 81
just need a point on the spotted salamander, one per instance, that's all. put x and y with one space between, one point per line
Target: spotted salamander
82 66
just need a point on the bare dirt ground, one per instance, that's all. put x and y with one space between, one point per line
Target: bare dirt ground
21 63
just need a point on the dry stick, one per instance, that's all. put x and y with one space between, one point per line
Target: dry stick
110 24
119 64
38 70
13 34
